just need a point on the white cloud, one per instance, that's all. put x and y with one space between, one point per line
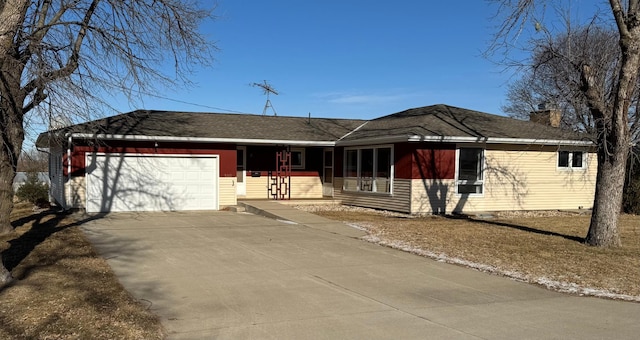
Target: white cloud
366 98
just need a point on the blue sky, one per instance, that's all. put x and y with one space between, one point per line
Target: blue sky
348 59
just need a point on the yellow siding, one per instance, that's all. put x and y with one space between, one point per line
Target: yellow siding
256 187
227 192
432 196
526 179
301 187
306 187
78 192
398 201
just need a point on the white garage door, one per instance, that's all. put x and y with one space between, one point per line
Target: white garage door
134 182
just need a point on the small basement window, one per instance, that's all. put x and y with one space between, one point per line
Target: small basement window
571 160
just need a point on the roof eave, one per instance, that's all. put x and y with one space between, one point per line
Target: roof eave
43 140
499 140
200 139
49 139
454 139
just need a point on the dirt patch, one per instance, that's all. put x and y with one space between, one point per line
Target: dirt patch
63 289
543 248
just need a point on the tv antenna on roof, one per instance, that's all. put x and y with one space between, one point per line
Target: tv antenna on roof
267 89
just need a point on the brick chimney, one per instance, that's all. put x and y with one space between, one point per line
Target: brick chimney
547 115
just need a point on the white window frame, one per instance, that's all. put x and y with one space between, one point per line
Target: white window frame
483 166
302 158
570 166
358 177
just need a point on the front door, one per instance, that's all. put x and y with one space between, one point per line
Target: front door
241 167
327 173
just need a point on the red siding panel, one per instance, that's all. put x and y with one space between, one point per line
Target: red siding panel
294 173
77 163
425 160
434 163
226 152
403 160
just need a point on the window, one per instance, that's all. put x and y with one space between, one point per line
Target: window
571 160
351 170
383 170
297 158
328 167
470 168
352 163
368 170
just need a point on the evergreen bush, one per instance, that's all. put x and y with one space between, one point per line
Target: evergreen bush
33 190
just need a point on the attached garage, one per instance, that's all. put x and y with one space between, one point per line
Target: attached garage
145 182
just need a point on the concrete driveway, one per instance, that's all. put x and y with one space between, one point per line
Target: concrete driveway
224 275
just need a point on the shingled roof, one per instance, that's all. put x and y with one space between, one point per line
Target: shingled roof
215 126
449 121
429 123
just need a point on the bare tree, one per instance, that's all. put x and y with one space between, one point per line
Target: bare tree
71 54
33 161
601 88
552 77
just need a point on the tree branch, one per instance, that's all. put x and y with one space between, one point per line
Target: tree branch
72 62
590 91
42 27
37 98
619 16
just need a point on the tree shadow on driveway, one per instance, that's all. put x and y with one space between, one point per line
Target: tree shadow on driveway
44 225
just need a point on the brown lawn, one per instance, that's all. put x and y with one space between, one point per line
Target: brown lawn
544 248
63 289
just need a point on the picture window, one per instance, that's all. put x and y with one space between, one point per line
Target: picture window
368 170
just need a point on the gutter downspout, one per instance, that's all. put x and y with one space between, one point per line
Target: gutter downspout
67 195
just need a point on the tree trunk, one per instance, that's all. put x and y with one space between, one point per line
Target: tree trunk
5 275
603 230
7 174
12 134
11 106
614 135
12 137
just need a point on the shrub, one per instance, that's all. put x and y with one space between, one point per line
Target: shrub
33 190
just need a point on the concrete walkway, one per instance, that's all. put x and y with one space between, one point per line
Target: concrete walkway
225 275
285 212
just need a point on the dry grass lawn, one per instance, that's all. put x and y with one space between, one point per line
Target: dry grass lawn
547 250
63 289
